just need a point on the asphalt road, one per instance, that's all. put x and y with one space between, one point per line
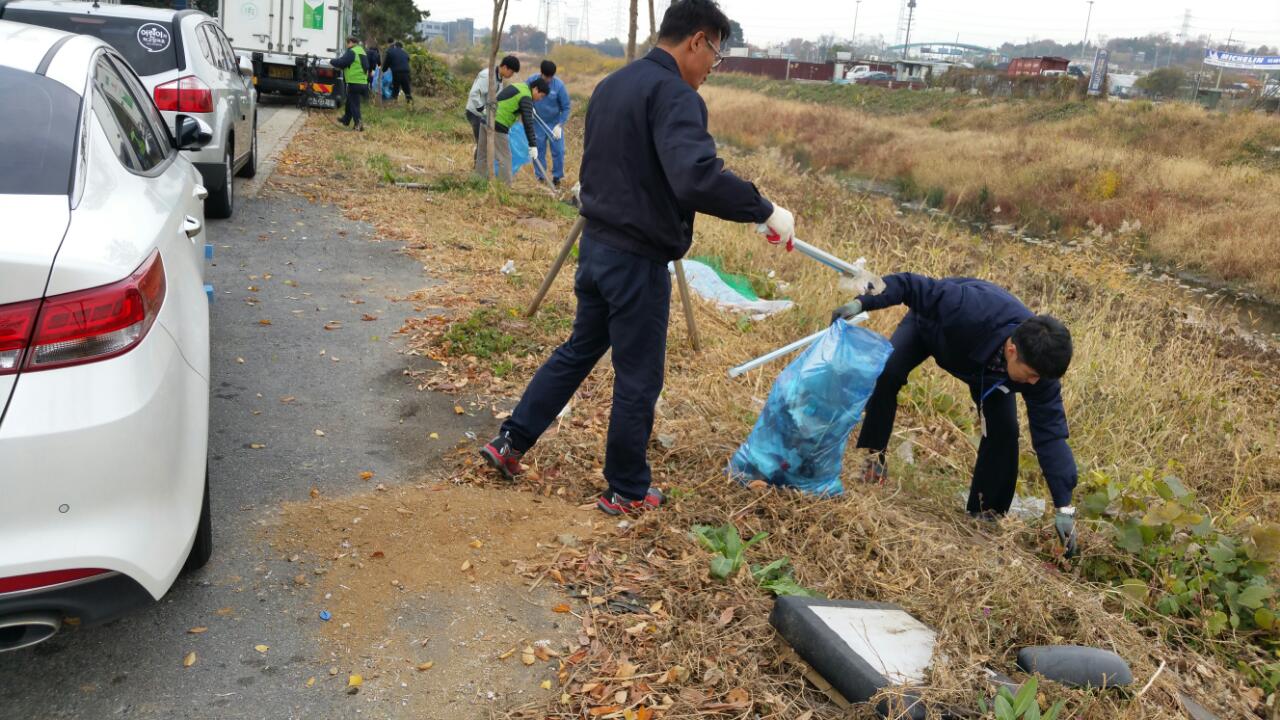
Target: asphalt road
349 384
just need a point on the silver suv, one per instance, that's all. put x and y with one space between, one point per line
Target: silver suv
184 59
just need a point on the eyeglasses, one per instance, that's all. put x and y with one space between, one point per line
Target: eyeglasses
719 58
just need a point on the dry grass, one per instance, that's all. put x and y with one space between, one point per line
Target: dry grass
1202 185
1146 390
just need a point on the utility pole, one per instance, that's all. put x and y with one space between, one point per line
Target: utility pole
911 11
1084 44
1218 85
854 41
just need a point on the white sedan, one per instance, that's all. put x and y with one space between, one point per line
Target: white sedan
104 339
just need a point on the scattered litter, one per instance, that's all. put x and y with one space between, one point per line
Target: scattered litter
325 615
708 283
509 267
1076 665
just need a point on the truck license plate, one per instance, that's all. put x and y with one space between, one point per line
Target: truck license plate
280 71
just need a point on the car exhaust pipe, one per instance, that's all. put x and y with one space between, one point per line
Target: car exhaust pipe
27 629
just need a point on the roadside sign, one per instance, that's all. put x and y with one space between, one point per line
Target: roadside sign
1098 78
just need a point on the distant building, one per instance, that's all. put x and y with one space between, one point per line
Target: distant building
1035 66
461 31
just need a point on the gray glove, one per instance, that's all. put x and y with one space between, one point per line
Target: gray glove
846 312
1064 522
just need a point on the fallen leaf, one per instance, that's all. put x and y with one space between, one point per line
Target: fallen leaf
507 654
457 410
644 713
546 685
502 415
256 446
635 630
603 710
262 648
333 325
311 681
198 630
526 656
190 659
466 565
264 321
561 608
423 667
620 697
476 544
291 283
726 617
366 475
806 715
288 399
223 612
434 436
319 432
315 492
377 554
240 360
368 318
625 670
353 684
738 696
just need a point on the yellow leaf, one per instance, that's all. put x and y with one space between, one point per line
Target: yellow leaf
264 321
366 475
256 446
434 436
644 713
319 432
625 670
526 656
457 409
315 492
423 667
561 608
466 566
311 681
198 630
507 654
546 684
262 648
190 659
476 544
355 681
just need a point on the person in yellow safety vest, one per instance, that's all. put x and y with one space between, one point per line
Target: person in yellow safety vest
514 100
354 64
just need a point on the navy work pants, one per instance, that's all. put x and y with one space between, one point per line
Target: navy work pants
623 302
995 474
355 93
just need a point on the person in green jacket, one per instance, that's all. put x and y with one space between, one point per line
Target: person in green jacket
514 100
354 64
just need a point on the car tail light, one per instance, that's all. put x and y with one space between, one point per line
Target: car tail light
94 324
19 583
16 322
187 94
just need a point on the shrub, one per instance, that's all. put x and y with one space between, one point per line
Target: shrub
577 60
431 76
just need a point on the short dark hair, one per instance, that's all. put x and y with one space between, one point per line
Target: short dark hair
548 68
400 44
687 17
511 61
353 39
540 85
1044 343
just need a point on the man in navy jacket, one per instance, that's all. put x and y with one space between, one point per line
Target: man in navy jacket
984 336
648 165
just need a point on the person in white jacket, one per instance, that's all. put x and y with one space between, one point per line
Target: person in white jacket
479 94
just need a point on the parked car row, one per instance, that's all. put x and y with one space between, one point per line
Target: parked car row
132 124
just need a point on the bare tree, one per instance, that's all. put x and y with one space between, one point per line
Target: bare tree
631 34
491 104
653 27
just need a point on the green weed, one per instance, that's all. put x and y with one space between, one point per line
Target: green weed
728 546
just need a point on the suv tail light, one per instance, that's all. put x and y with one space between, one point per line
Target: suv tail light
187 94
83 326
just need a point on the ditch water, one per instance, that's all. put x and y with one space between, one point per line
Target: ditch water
1231 312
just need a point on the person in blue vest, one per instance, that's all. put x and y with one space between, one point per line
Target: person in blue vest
354 64
553 111
648 165
985 337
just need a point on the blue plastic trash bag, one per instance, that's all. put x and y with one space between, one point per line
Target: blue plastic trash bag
385 81
519 149
800 437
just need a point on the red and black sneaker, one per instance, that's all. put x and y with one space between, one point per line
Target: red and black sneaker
502 457
611 503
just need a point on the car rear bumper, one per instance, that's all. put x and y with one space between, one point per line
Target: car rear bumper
94 600
103 465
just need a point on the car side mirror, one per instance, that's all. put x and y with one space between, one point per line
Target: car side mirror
246 66
191 133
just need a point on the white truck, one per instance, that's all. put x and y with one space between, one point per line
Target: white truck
291 43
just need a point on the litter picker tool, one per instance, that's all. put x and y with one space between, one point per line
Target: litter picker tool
784 350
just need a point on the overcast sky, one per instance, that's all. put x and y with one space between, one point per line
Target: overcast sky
979 22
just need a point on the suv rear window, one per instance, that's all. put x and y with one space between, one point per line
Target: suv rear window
149 46
38 144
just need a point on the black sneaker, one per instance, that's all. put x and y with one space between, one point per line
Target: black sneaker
611 503
502 457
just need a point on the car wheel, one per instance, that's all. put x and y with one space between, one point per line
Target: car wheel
202 547
220 202
251 165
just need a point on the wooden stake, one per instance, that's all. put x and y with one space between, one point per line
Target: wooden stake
687 301
555 267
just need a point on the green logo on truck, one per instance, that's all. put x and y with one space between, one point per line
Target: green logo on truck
313 16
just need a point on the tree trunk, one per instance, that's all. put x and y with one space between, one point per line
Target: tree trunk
631 33
653 27
499 18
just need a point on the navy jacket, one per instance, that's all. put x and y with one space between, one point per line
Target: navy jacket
396 60
964 323
648 163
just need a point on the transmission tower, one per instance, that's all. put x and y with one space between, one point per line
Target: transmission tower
586 21
905 16
1185 34
573 28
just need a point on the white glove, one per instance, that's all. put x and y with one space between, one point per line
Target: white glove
780 228
533 153
557 132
